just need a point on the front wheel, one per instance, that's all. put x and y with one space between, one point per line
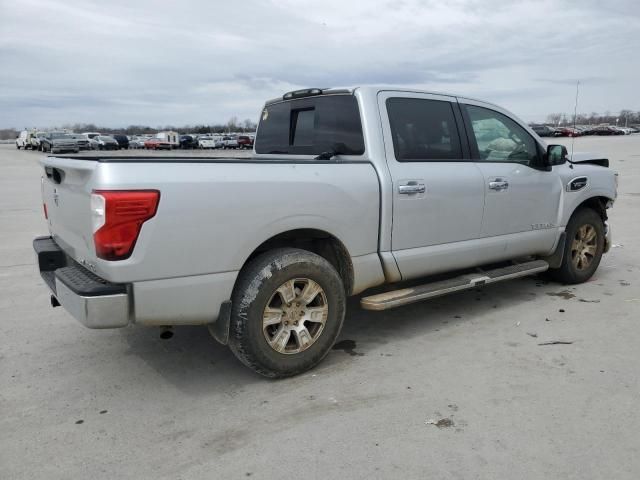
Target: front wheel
287 311
583 247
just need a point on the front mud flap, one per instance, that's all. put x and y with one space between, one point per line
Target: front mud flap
555 259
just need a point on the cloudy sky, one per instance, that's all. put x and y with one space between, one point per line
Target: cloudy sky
122 62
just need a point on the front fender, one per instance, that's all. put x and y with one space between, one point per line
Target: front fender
601 185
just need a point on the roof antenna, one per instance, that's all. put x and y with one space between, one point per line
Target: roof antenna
575 114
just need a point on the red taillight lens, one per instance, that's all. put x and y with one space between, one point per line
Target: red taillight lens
118 216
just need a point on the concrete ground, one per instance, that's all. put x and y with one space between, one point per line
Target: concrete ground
457 387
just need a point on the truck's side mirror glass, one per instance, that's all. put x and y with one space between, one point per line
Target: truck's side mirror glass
556 155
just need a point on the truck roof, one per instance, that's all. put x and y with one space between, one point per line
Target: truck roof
372 89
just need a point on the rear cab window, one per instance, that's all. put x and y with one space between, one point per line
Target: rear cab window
311 126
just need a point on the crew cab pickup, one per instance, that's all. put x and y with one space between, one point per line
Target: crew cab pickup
347 189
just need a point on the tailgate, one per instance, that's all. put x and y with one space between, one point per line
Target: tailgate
66 191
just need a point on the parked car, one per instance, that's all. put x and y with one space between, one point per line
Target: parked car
206 142
36 140
93 139
107 142
123 141
543 130
188 142
137 142
230 141
82 141
567 132
59 142
23 140
245 141
157 144
349 189
606 130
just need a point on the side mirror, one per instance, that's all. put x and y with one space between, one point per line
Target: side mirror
556 155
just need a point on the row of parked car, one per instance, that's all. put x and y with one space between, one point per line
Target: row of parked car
62 142
580 130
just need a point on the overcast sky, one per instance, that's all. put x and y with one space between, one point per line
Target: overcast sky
117 63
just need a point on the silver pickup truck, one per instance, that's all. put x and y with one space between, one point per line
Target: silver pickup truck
348 189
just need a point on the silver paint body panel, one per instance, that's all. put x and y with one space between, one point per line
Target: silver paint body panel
213 215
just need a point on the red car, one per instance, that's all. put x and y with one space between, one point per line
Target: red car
245 141
567 132
157 144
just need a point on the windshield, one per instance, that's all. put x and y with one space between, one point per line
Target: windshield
56 135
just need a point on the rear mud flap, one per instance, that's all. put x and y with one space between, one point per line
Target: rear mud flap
220 329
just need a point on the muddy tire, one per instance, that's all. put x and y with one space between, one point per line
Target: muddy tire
583 248
288 307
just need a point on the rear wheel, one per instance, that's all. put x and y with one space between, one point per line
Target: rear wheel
287 310
583 247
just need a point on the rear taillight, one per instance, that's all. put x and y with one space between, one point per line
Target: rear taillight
117 218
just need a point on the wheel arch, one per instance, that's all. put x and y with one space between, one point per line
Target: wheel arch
317 241
598 203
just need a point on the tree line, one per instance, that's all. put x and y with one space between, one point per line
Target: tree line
232 125
622 119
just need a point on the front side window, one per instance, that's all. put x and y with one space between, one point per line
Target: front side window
499 138
423 130
311 126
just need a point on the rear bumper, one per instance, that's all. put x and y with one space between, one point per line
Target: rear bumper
93 301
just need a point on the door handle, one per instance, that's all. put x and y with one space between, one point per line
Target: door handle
498 184
408 189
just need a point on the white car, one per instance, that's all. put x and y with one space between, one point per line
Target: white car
136 142
206 142
93 139
230 141
36 140
24 140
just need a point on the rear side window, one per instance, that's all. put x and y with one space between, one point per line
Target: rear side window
311 126
423 130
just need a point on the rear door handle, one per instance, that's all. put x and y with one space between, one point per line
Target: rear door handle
409 188
498 184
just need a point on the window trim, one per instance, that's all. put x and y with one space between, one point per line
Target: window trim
459 125
473 143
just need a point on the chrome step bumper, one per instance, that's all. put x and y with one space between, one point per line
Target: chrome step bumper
93 301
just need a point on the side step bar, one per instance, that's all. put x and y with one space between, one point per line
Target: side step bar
405 296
